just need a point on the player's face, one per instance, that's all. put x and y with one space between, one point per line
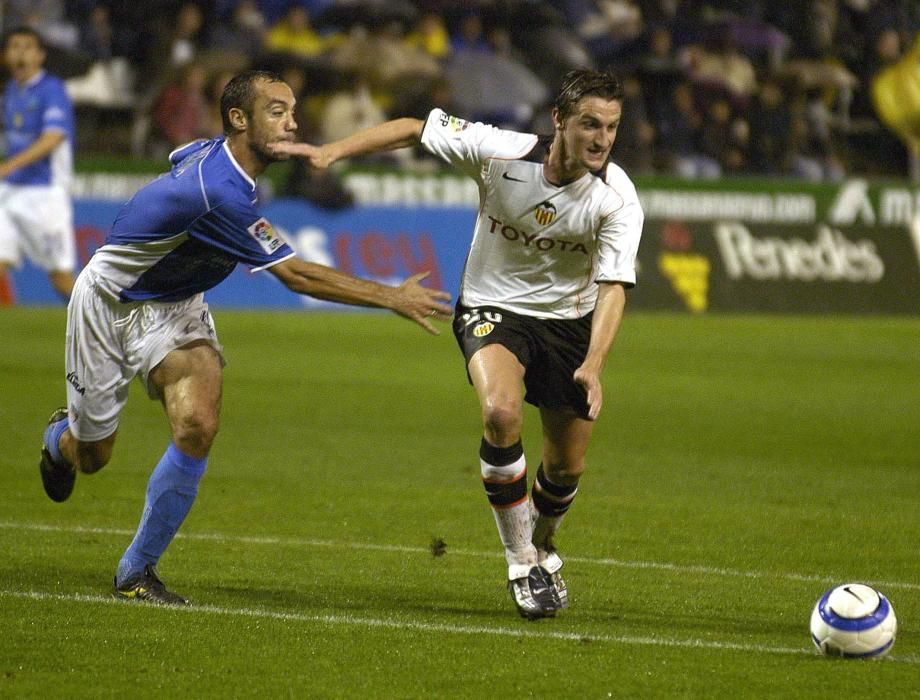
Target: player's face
272 118
24 57
589 131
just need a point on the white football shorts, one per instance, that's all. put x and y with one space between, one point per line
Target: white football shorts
37 221
110 343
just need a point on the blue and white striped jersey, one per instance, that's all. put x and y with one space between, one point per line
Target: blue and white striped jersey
185 232
30 110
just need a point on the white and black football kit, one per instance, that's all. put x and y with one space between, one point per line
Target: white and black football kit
538 252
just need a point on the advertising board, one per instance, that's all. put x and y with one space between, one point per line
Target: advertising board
706 247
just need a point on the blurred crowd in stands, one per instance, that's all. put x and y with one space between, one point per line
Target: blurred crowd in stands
714 88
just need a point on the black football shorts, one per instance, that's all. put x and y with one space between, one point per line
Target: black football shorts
549 349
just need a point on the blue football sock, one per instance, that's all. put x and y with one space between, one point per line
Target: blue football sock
170 493
53 437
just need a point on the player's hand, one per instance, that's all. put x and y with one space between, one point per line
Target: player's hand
421 304
590 380
317 156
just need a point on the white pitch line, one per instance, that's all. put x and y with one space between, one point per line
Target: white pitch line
439 628
615 563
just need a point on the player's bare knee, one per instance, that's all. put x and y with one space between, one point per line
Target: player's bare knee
194 433
502 423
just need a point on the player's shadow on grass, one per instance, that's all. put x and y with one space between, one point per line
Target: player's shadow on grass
55 578
707 624
358 601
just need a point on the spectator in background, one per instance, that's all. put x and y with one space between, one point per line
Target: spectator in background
295 35
679 137
771 130
609 29
47 17
718 66
500 44
877 147
813 155
243 33
885 50
180 113
760 41
274 10
723 138
382 57
825 48
176 39
351 108
186 39
319 186
470 35
97 35
491 82
614 30
109 80
436 93
658 70
633 150
829 45
430 35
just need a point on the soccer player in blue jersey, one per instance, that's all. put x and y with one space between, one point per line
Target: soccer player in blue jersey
36 214
137 310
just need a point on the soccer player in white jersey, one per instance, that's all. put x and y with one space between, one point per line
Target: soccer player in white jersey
36 214
137 310
542 297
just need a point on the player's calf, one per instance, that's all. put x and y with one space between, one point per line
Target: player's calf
550 503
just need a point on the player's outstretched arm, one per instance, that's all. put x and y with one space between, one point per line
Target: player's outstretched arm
388 136
410 299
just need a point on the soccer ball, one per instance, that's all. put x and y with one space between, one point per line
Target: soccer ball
854 621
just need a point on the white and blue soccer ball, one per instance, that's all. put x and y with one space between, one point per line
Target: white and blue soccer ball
854 621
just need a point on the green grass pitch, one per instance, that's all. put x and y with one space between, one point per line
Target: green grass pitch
741 466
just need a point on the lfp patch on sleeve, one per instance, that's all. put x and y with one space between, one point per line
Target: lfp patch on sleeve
263 232
455 124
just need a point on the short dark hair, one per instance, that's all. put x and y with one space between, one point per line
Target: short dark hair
581 82
24 31
240 93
